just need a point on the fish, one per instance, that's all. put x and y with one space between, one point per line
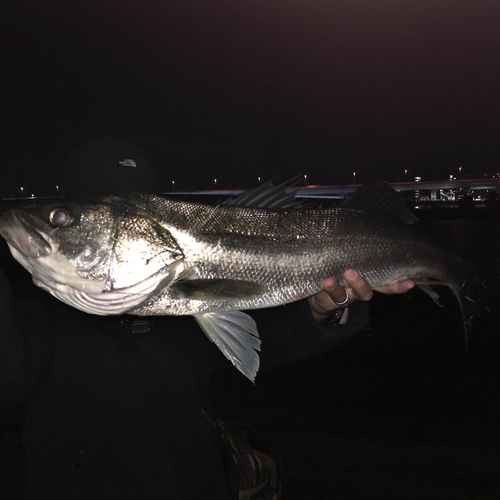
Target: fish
148 255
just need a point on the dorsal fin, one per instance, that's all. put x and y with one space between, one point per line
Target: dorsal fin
270 196
378 196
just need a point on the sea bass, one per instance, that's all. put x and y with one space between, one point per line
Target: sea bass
145 254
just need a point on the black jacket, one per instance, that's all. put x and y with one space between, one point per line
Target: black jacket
118 415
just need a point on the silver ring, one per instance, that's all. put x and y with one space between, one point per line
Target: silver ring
345 300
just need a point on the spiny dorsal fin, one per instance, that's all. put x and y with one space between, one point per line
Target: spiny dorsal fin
270 196
378 196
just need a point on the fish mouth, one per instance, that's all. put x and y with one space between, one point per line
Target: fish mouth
31 245
20 233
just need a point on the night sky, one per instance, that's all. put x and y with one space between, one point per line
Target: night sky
241 89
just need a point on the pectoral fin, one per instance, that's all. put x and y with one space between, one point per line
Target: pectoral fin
216 289
235 334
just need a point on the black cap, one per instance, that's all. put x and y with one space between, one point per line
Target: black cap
108 166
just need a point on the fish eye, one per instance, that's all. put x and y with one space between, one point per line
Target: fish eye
60 217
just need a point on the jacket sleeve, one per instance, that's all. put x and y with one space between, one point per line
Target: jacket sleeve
290 334
25 345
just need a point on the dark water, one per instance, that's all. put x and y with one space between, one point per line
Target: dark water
477 240
414 334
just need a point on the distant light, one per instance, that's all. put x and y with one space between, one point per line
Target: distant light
173 185
305 180
215 182
258 179
417 179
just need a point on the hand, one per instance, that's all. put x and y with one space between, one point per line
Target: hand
325 303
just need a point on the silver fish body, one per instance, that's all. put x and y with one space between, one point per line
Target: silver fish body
145 254
289 254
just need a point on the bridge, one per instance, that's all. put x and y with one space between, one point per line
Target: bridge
477 186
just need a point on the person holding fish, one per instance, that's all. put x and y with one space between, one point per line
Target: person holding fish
116 372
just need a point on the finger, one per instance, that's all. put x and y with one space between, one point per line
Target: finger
361 290
396 288
335 291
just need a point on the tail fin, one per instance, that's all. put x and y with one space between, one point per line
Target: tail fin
472 300
469 291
